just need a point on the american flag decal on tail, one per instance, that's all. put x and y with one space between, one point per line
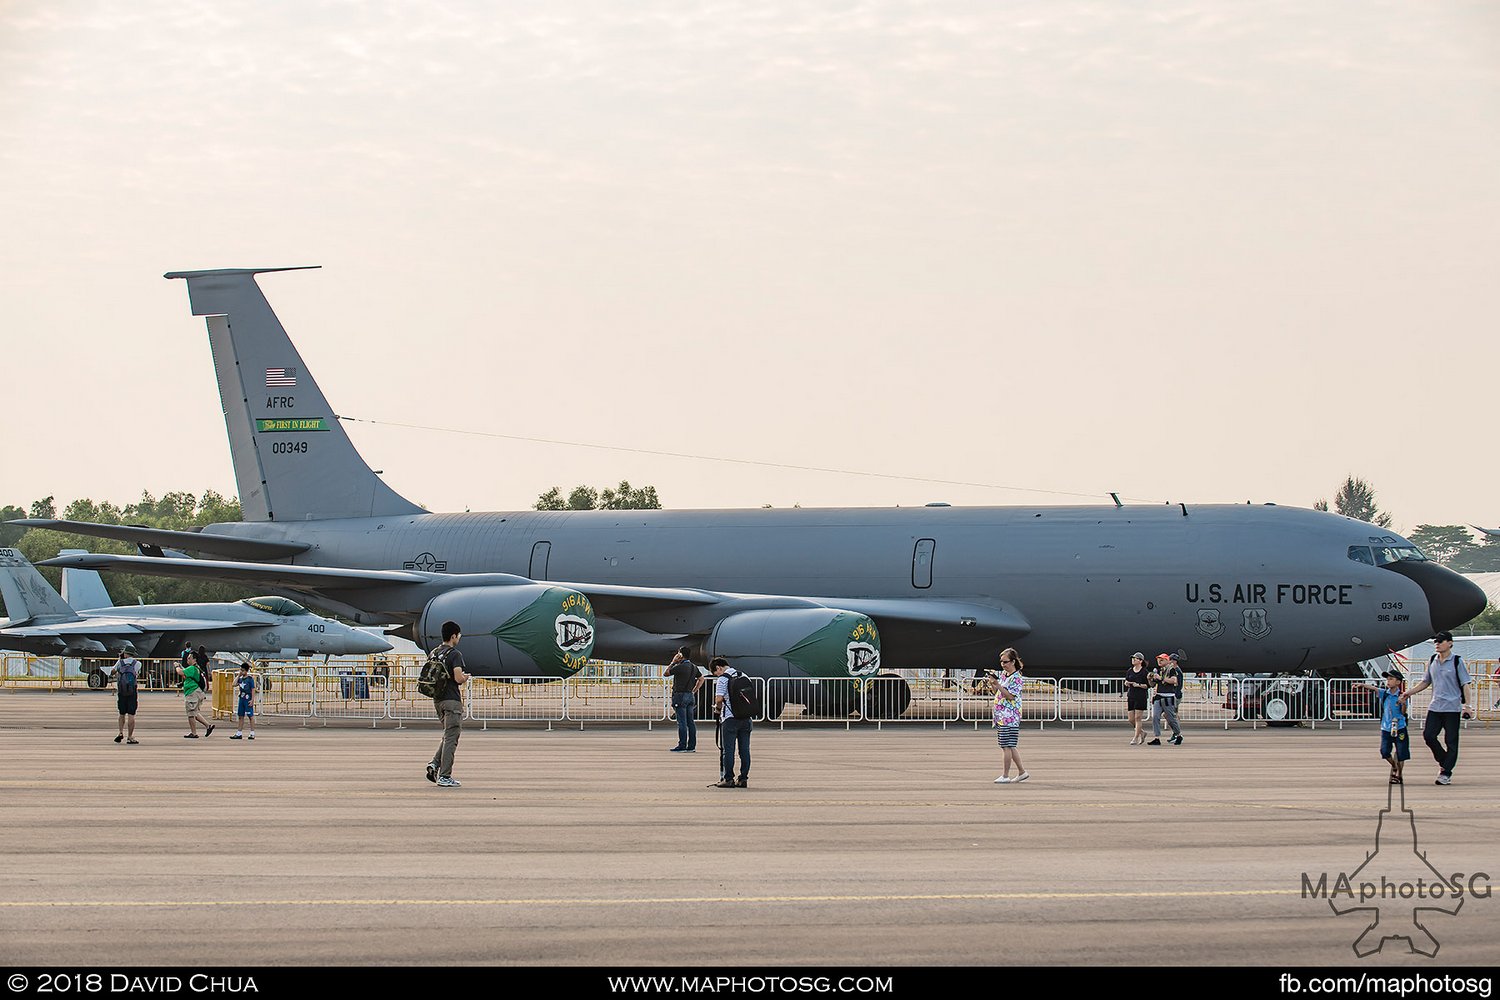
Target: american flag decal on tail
277 378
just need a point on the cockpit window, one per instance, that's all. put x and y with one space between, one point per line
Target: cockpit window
1361 554
276 606
1386 554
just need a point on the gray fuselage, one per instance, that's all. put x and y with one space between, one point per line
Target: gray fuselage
1242 588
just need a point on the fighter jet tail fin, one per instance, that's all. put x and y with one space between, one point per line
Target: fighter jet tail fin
28 596
292 459
83 589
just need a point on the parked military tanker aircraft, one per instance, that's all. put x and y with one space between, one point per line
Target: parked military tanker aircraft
793 593
42 622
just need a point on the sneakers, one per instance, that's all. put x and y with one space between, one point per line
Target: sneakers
448 783
1176 741
250 737
120 738
1154 743
1023 775
209 731
742 783
237 736
1004 779
190 736
678 750
724 783
1444 779
431 772
133 742
1136 742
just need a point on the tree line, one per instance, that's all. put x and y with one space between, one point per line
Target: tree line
1451 545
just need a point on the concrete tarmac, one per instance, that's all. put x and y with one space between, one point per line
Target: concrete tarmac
598 847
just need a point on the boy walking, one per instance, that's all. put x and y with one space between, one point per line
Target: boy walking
1395 747
244 684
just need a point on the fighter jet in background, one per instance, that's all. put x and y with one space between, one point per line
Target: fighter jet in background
42 622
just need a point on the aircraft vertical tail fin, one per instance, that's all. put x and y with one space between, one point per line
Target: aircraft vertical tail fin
27 594
83 589
292 459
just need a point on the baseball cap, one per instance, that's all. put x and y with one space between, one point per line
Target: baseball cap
1163 657
1443 637
1137 656
1393 673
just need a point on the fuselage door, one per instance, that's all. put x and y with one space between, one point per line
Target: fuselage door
540 553
921 563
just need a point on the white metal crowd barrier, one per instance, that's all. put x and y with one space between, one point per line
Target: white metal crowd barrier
632 693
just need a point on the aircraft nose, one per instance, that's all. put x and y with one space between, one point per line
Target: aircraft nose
1451 600
368 642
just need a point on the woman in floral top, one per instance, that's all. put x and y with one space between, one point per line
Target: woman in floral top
1007 688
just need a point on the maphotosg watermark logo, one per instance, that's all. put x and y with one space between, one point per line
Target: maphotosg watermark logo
1396 890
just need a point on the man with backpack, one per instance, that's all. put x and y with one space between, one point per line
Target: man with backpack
734 707
444 676
1449 679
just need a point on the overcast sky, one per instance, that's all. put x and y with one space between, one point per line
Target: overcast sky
1182 251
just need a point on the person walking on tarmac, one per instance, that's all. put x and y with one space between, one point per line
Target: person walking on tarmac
449 703
127 694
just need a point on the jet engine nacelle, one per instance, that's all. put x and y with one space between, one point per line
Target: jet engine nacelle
519 631
796 642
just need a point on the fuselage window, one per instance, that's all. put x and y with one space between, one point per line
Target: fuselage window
1361 554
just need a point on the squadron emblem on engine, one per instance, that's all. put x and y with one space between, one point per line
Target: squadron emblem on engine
573 633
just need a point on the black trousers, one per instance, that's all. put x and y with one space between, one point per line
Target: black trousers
1448 724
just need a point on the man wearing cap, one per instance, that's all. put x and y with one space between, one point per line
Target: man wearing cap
1168 678
1449 680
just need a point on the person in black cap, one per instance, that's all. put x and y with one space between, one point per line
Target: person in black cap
1449 680
1395 747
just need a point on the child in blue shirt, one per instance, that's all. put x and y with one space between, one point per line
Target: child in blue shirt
1395 748
244 684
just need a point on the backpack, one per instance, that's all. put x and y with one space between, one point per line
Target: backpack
435 676
744 698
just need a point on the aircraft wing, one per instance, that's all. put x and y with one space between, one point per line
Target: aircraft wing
265 574
907 622
83 628
192 541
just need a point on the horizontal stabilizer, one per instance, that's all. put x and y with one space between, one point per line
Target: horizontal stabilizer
191 541
206 288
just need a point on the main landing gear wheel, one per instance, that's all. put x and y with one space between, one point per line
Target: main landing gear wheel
887 696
